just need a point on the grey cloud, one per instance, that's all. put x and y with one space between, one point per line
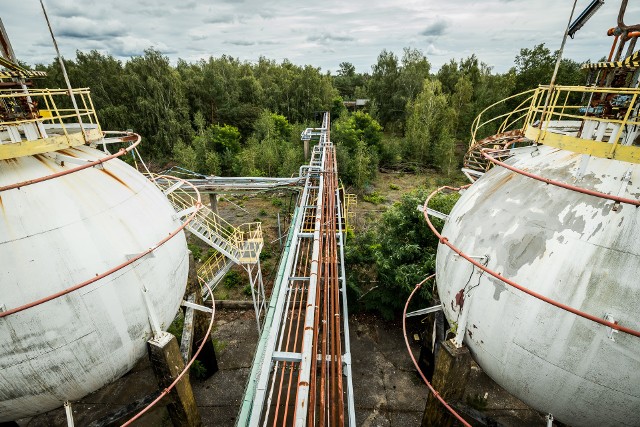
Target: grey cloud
251 42
328 38
70 9
95 34
187 5
240 42
435 29
218 19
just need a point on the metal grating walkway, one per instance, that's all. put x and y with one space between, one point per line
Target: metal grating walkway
301 373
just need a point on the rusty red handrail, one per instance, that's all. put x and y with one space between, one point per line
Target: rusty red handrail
559 183
509 282
186 368
87 165
413 359
114 269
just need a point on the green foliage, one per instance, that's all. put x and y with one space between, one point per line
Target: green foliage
218 345
350 84
232 279
277 202
198 370
535 66
393 84
391 148
177 326
337 108
394 187
267 252
398 253
270 150
374 198
358 138
247 290
208 148
195 250
430 128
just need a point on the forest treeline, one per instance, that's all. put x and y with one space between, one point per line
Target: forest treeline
223 116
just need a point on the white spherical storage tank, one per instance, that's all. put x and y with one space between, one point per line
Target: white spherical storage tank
58 233
577 249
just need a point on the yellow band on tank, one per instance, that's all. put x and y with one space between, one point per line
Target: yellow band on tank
45 145
605 150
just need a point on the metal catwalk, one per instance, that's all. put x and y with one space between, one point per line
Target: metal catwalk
301 373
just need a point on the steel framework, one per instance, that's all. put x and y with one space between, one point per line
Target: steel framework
301 373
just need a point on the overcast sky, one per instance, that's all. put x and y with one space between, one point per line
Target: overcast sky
320 33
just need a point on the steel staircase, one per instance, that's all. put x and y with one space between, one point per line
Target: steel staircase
234 245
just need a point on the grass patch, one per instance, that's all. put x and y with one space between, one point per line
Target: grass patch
176 327
374 198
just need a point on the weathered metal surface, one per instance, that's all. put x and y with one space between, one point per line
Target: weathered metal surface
577 249
61 232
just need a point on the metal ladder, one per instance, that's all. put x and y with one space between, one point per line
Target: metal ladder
239 245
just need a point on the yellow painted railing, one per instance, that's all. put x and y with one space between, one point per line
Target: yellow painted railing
504 121
243 242
558 118
211 266
34 122
350 203
39 105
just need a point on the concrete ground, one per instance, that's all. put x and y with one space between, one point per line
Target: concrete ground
387 390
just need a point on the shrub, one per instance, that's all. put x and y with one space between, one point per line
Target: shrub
232 279
374 198
247 290
195 250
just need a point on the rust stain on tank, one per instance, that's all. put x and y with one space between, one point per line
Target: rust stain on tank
2 206
116 178
67 153
44 161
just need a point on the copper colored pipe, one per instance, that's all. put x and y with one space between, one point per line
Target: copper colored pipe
314 361
613 48
338 319
111 270
560 184
406 341
275 416
303 269
78 168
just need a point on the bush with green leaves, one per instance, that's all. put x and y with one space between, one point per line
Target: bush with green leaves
387 262
358 137
195 250
232 279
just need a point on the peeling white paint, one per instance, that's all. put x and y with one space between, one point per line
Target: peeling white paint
58 233
570 247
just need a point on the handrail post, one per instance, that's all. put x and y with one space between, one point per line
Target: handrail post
622 125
